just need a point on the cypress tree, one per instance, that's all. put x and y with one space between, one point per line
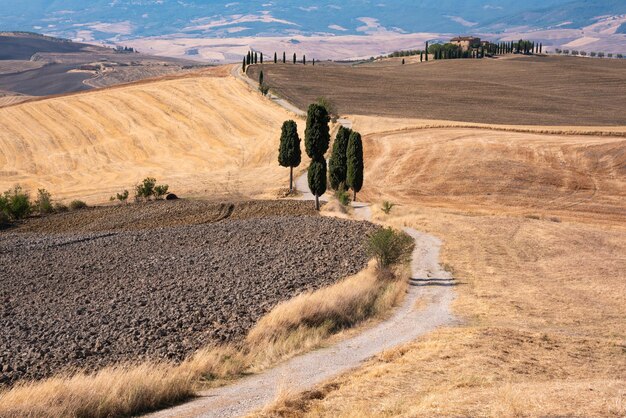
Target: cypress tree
421 56
402 61
284 57
243 66
304 59
261 78
316 140
337 164
275 58
354 157
248 58
294 57
541 48
261 57
289 154
314 62
316 176
426 53
256 57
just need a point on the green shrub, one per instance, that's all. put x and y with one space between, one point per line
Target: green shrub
386 207
160 191
15 203
43 204
389 247
145 190
122 197
77 205
264 89
343 197
4 220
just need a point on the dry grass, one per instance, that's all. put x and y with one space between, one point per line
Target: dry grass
542 297
203 134
290 328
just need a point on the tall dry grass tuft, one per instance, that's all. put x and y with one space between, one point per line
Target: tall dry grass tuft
290 328
115 391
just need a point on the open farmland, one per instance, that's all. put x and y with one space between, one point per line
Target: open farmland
534 231
513 91
205 134
157 289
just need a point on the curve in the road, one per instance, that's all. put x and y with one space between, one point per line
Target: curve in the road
428 281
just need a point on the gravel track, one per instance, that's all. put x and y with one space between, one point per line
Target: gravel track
92 299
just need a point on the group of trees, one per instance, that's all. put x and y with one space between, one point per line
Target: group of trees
455 51
16 204
254 57
346 162
584 53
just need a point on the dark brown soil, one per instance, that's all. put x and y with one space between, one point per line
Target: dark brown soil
519 91
133 292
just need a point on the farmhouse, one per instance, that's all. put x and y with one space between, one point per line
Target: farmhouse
466 42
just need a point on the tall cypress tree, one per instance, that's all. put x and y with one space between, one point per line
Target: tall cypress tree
421 56
275 58
314 62
541 48
243 66
304 59
256 57
248 58
294 57
316 140
261 57
337 164
284 57
261 78
354 156
289 154
426 53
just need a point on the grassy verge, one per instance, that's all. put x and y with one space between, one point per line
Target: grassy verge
292 327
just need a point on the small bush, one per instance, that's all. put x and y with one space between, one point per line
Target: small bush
342 195
264 89
389 247
77 205
15 203
160 191
122 197
4 220
330 107
43 204
386 207
145 190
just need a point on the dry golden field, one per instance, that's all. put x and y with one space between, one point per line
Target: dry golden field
534 229
203 134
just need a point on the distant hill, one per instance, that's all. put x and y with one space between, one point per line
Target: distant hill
22 46
97 20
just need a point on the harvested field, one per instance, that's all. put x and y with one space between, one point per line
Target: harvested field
92 299
205 134
513 91
483 170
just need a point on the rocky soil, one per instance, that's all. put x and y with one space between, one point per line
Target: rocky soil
90 299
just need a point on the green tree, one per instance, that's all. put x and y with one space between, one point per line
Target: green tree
261 57
275 58
261 78
316 141
284 57
337 164
249 58
426 53
304 59
354 157
289 154
294 57
243 66
316 177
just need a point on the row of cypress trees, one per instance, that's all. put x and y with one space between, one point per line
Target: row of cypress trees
346 161
256 57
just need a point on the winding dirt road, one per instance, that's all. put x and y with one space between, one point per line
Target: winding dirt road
429 282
